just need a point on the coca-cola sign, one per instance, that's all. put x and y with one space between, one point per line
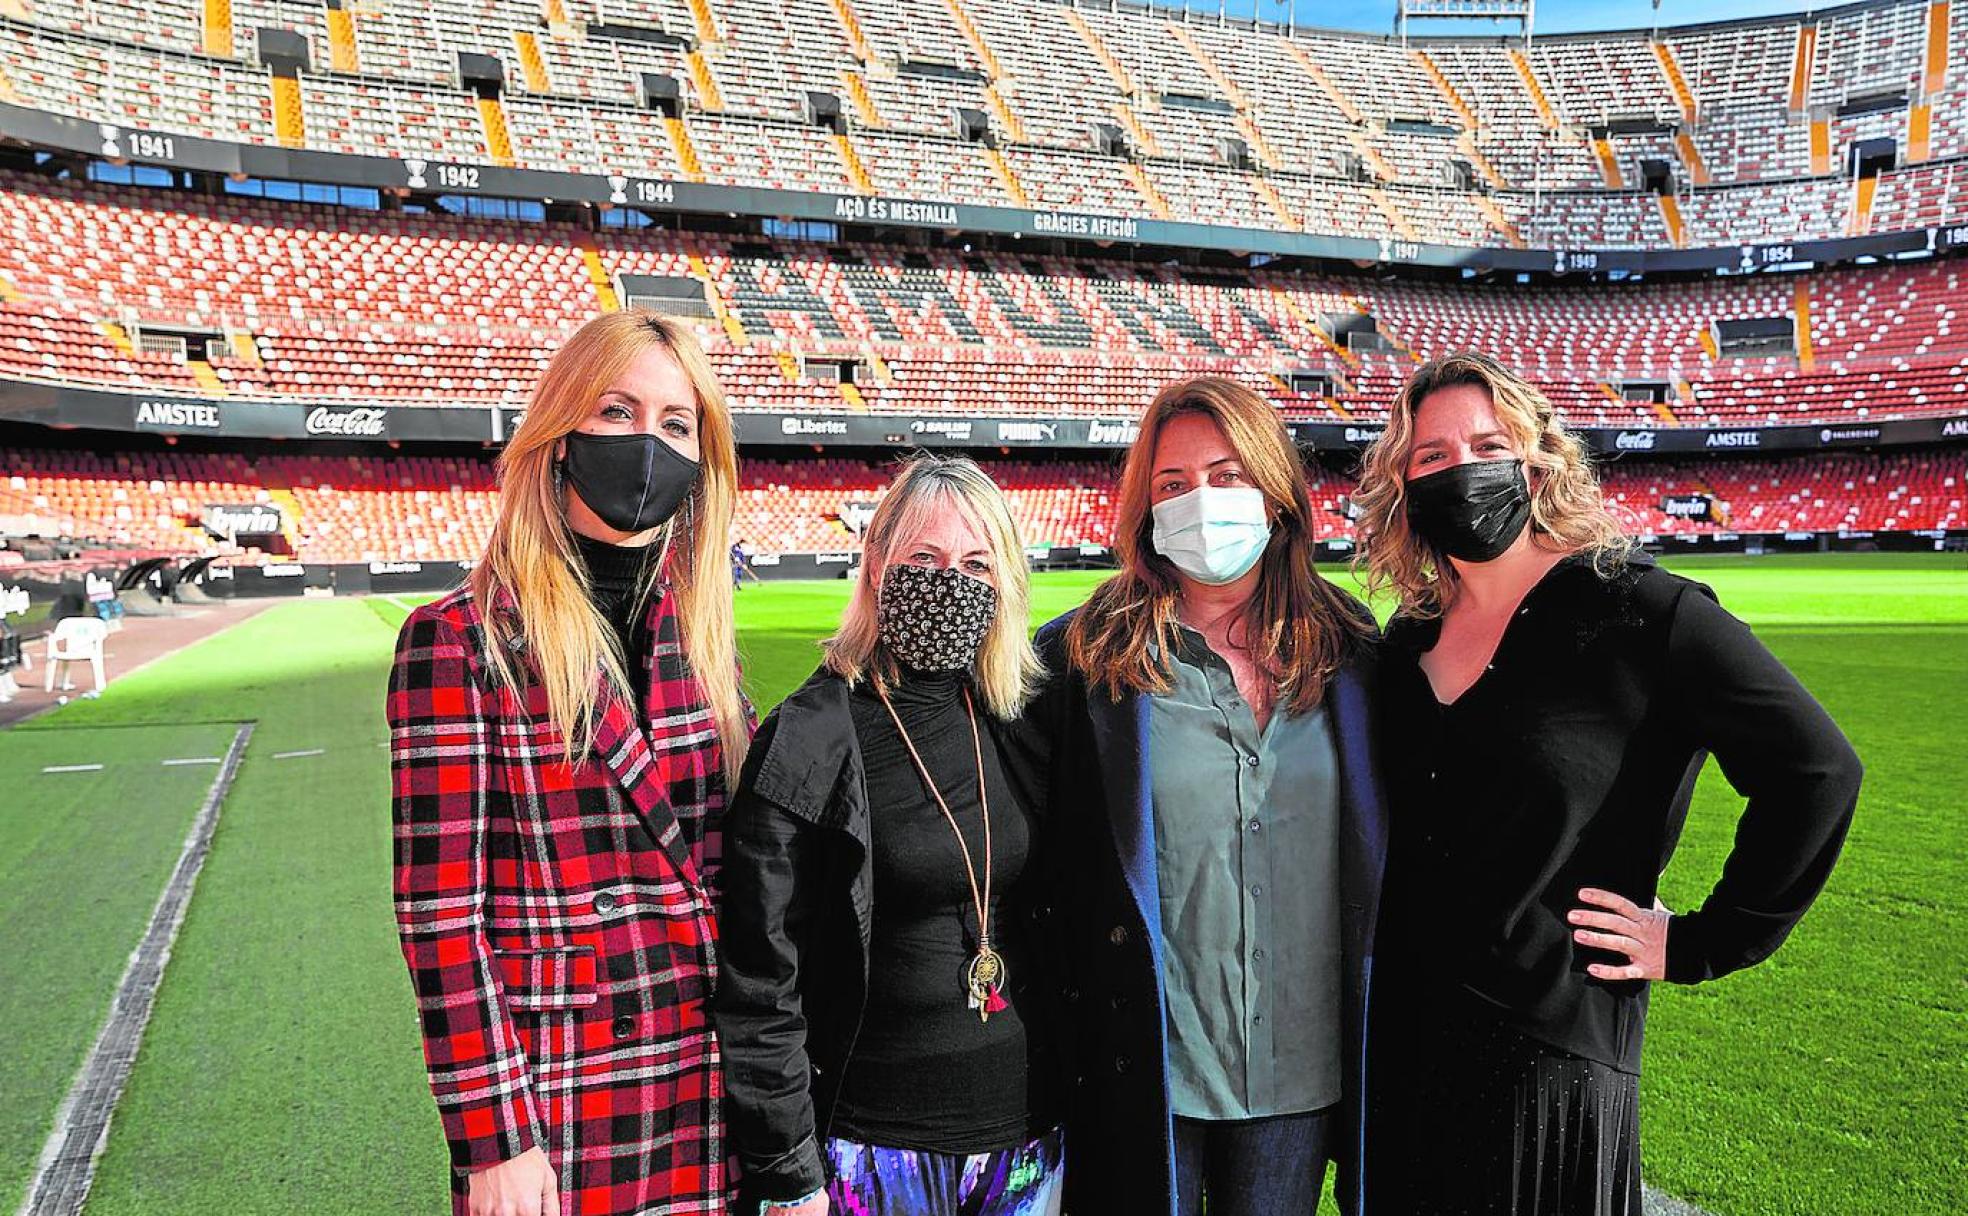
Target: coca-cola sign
362 421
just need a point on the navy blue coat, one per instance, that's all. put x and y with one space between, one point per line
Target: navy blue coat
1120 1146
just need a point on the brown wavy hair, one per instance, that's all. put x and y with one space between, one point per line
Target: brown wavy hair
1566 503
531 552
1302 623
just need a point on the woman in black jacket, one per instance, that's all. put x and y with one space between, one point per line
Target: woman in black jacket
1551 695
1216 796
884 998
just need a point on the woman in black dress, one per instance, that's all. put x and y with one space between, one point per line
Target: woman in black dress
1551 694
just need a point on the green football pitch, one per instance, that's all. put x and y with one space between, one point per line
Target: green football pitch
281 1073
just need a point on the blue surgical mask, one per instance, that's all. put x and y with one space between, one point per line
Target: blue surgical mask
1213 534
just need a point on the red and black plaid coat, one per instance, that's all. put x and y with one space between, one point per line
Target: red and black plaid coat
558 921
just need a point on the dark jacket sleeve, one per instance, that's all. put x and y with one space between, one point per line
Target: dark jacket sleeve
1782 752
1050 707
770 883
710 849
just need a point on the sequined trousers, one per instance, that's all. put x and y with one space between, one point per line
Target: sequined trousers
868 1180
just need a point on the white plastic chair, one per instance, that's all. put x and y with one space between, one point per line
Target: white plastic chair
76 639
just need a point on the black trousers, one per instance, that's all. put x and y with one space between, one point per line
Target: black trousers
1252 1167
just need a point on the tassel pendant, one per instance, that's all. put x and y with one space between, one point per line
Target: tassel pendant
984 983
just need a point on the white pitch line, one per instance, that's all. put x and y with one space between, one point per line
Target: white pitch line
67 1166
72 768
195 760
390 599
1659 1203
312 751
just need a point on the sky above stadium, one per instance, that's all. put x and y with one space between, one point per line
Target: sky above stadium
1553 16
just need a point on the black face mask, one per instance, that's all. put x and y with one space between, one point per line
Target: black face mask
631 482
1472 512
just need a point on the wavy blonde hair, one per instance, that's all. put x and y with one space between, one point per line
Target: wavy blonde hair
1566 503
531 551
1006 670
1301 625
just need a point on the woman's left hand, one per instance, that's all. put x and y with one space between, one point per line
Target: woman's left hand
1618 924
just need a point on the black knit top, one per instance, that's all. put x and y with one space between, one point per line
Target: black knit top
926 1073
614 574
1570 763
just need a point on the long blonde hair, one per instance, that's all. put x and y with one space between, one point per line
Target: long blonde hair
531 552
1566 504
1006 669
1300 624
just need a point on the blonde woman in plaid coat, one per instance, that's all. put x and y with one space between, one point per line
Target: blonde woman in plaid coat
563 730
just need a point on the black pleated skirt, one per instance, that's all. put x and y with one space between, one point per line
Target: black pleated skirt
1468 1116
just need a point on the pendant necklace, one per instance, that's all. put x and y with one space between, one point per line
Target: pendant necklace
984 975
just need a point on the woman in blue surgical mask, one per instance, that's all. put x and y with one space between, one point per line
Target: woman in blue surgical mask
1223 813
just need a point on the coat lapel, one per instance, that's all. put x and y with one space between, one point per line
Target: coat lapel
623 748
1120 737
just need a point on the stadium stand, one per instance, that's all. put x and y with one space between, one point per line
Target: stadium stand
365 508
1465 141
308 301
198 291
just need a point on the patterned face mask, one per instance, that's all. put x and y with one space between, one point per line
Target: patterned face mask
934 620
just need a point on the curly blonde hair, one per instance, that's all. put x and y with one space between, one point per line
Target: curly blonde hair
1566 503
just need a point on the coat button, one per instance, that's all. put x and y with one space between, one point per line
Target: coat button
1120 1063
1071 994
1118 935
624 1026
604 903
1118 1000
1041 912
1251 760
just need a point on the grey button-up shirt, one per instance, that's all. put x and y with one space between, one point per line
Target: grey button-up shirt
1247 857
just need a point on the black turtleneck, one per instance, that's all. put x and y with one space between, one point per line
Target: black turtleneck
614 573
925 1073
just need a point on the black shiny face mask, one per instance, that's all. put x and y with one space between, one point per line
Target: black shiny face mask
1472 512
631 482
